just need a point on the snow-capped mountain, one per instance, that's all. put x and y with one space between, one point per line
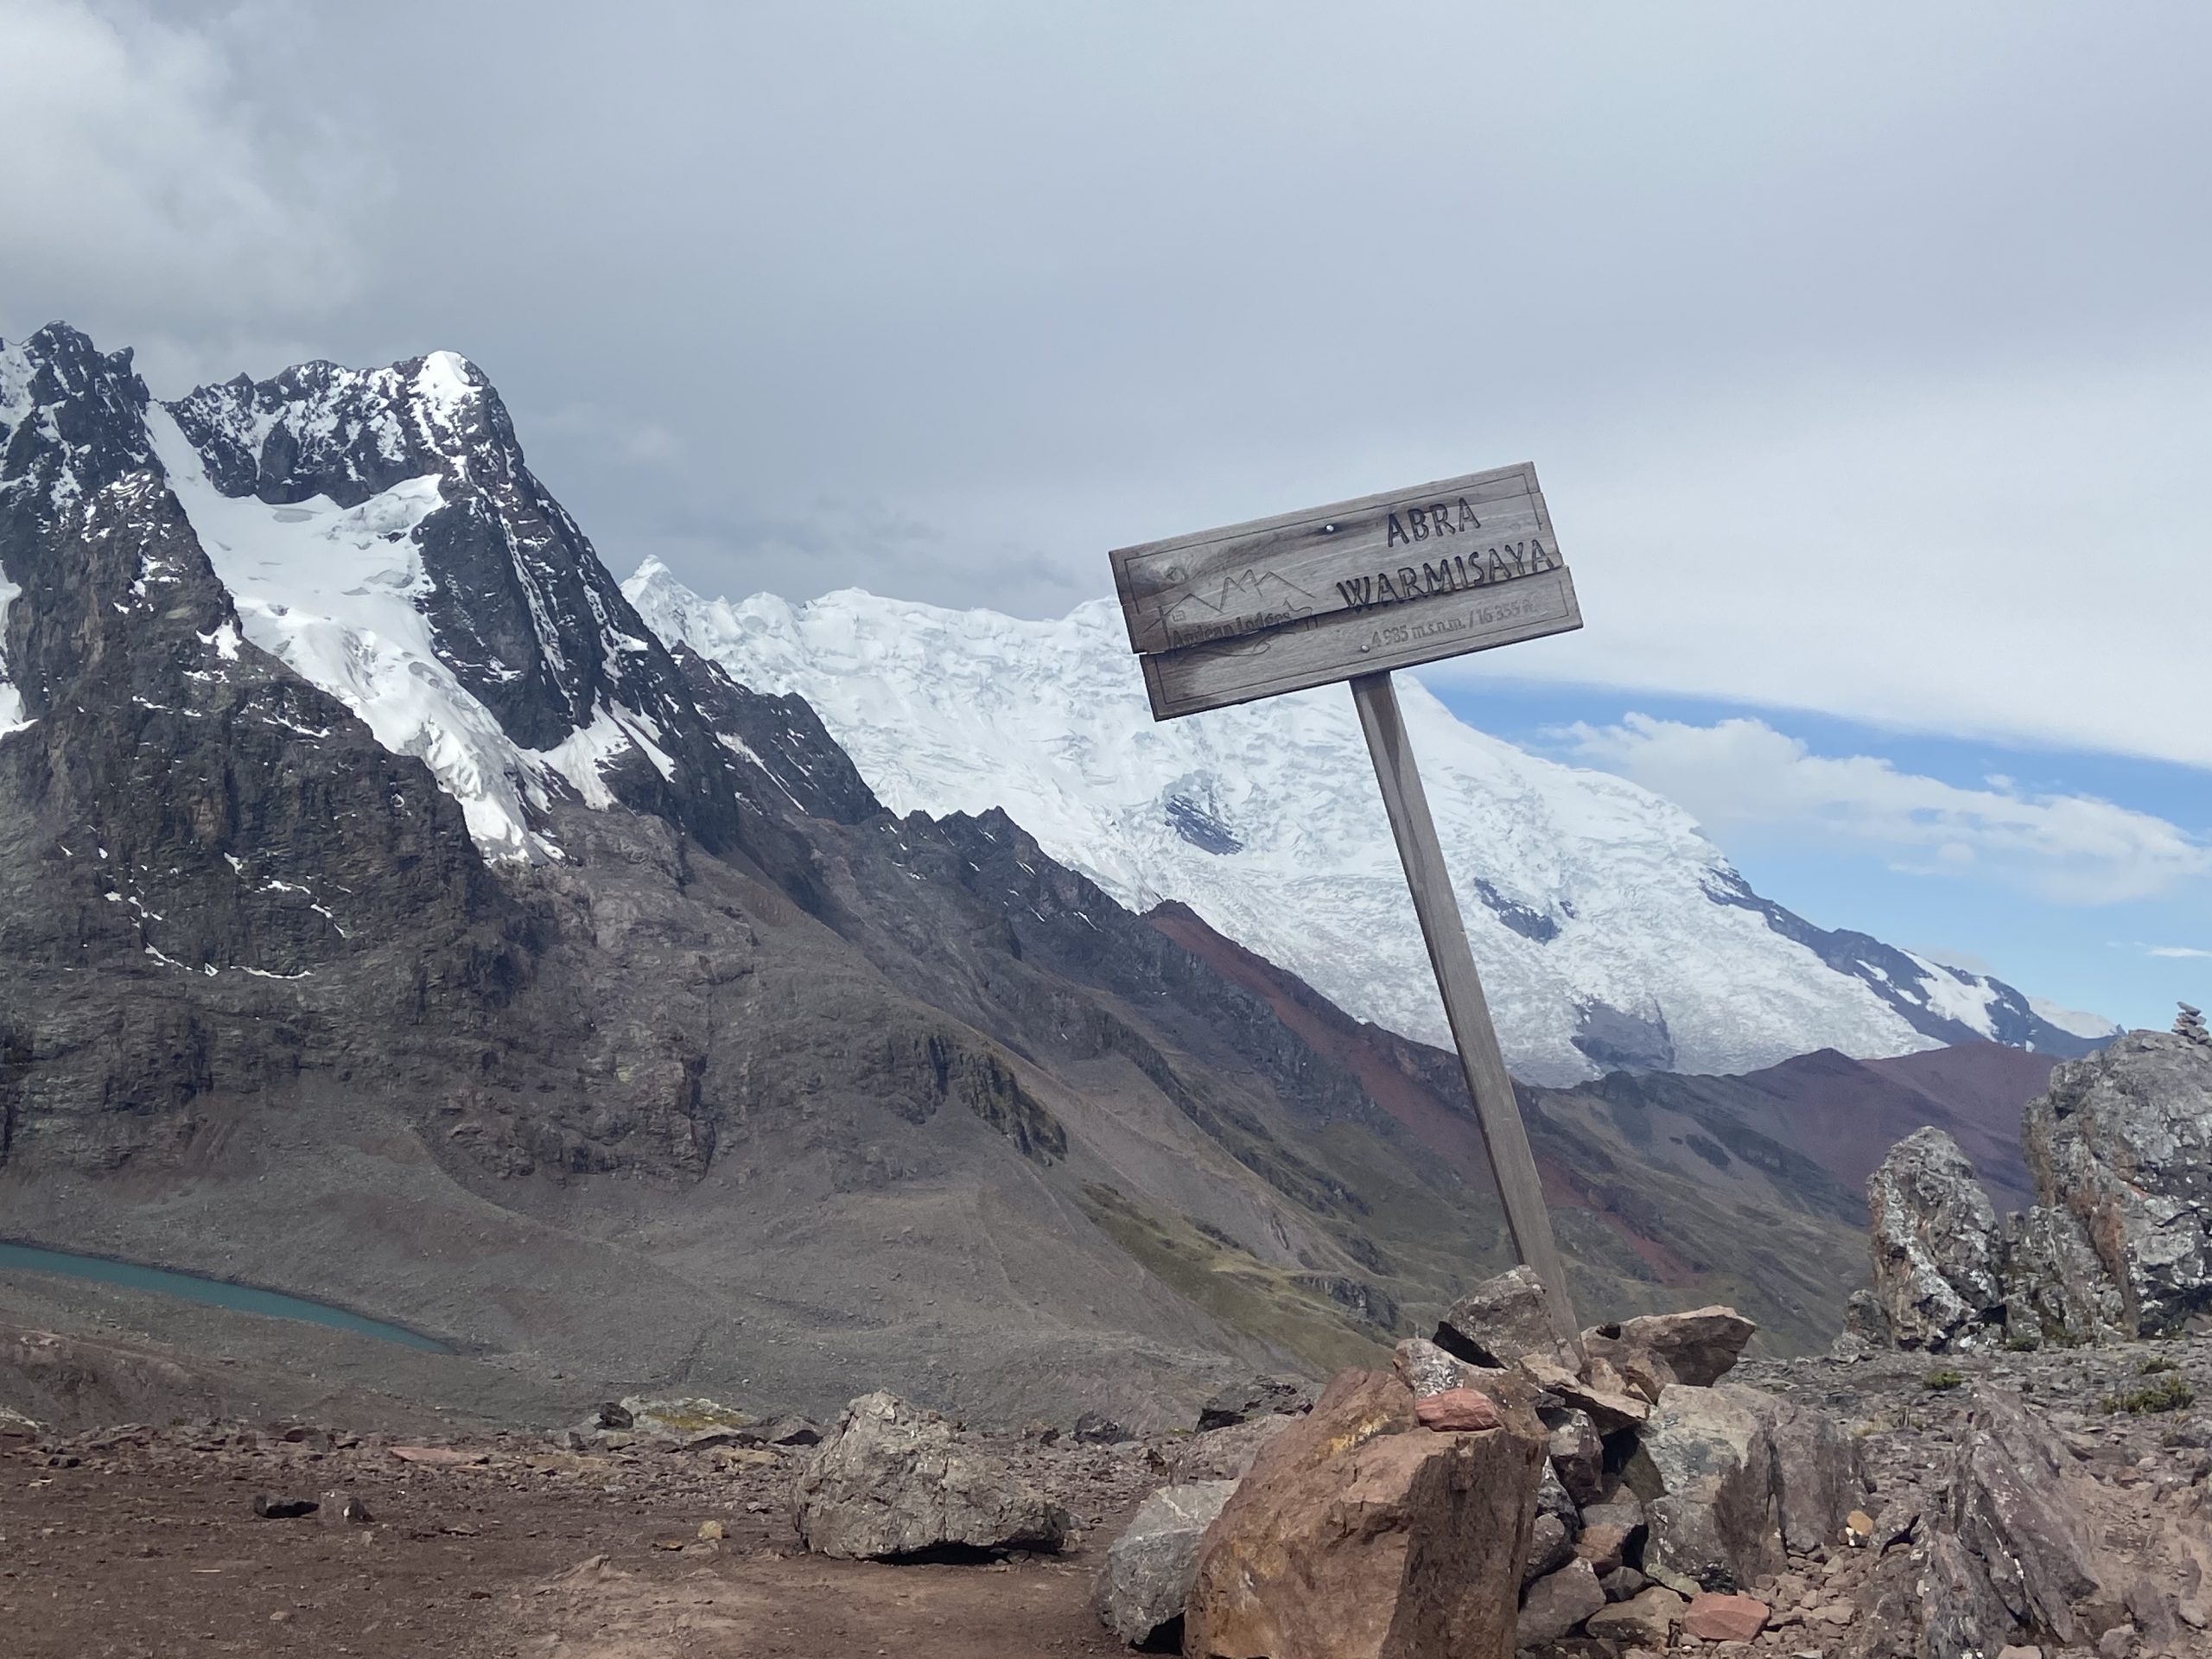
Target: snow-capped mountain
379 532
1609 930
381 535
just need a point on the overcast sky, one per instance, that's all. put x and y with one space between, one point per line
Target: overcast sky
1863 350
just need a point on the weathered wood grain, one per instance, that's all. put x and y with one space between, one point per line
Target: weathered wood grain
1246 578
1445 933
1317 650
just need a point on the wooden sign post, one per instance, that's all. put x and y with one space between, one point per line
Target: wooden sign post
1351 592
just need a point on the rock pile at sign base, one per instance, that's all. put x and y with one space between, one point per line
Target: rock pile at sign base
1361 1534
894 1481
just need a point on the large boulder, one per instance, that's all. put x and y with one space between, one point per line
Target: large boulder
1698 1347
1936 1247
894 1480
1820 1477
1150 1566
1360 1535
2123 1141
1501 1320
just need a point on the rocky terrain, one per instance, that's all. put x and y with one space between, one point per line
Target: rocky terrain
138 1538
447 948
388 916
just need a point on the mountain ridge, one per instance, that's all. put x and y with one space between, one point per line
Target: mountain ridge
1610 932
725 1075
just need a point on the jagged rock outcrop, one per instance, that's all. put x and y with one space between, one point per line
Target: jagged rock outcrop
2055 1286
2123 1142
894 1480
2119 1244
1934 1244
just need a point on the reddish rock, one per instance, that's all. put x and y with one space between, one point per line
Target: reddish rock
1462 1409
1356 1537
1725 1619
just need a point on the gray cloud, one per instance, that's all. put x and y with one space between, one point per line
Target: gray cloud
1862 349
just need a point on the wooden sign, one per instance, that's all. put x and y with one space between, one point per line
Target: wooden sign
1364 587
1352 592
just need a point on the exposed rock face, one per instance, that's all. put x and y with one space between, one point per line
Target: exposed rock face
2055 1286
2119 1243
2013 1509
2123 1141
1150 1566
1359 1534
2012 1558
1707 1468
1934 1244
1737 1476
894 1480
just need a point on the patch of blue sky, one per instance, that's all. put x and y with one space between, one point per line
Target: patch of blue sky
2123 952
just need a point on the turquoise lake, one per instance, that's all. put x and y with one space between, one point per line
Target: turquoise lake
214 1293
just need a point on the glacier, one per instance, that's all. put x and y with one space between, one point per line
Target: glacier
1608 928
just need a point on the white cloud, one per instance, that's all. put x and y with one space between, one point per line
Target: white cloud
1740 774
143 194
2185 951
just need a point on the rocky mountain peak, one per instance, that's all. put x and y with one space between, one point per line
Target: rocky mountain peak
319 428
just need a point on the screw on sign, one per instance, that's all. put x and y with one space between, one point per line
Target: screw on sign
1352 592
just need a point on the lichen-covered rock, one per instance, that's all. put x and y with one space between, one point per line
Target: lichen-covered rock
2123 1141
1150 1566
1935 1246
1427 1369
894 1480
1705 1466
1224 1453
1818 1476
2055 1286
1359 1534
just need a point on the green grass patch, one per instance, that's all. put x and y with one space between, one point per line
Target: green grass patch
2168 1394
1939 1380
1234 1286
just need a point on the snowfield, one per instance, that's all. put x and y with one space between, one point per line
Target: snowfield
1588 898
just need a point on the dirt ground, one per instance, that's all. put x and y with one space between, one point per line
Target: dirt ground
145 1542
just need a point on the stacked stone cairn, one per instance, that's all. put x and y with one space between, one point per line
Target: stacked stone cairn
2189 1024
1495 1491
2117 1246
